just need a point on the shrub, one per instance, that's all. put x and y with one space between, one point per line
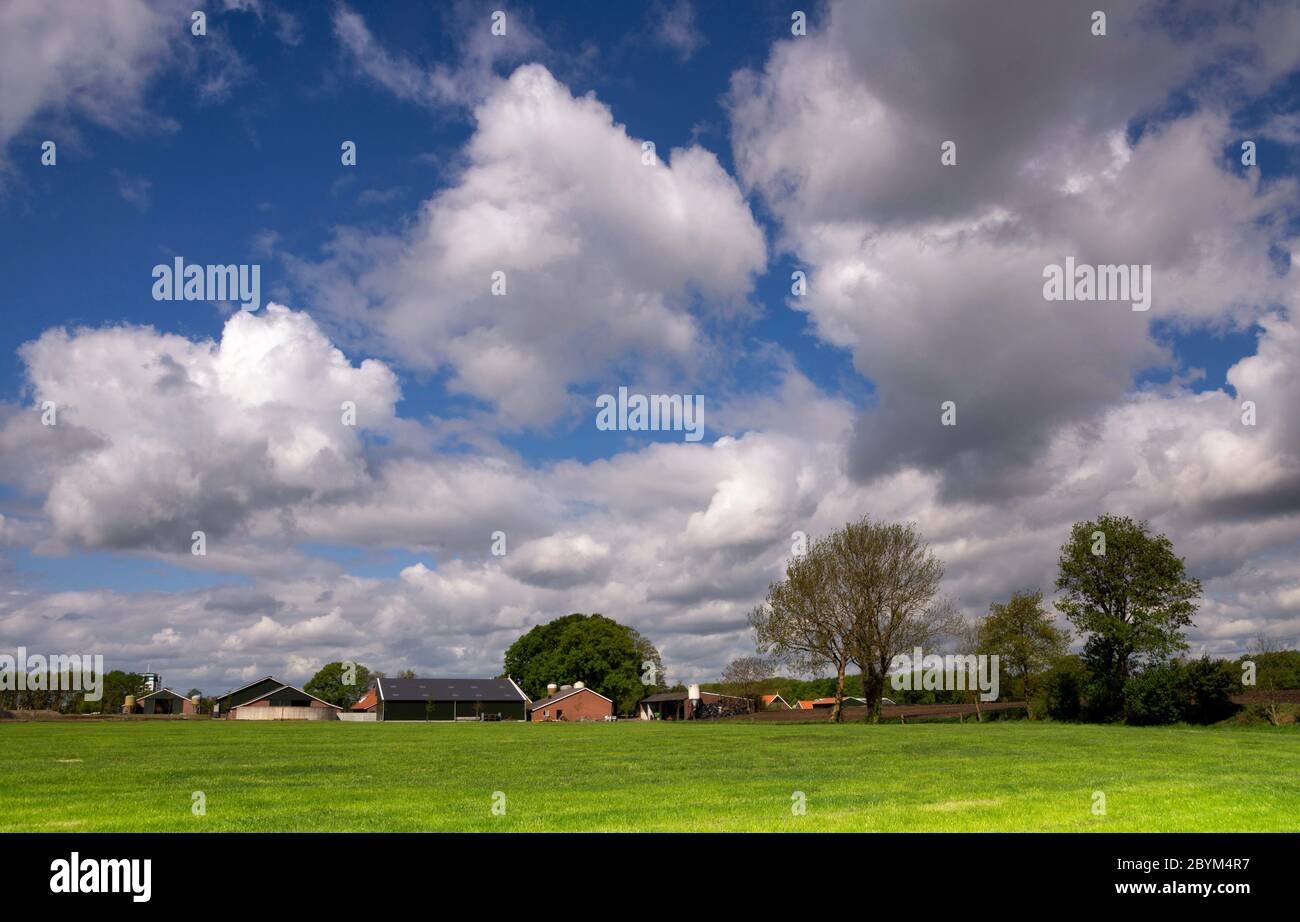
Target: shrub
1207 687
1157 695
1057 692
1280 715
1103 700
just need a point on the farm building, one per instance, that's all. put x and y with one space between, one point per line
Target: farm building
367 702
450 699
691 705
825 704
571 702
775 702
852 702
164 701
270 699
816 704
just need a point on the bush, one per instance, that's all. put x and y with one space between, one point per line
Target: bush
1103 700
1207 687
1196 692
1058 691
1278 715
1157 695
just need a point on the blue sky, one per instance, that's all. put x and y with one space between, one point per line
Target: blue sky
805 153
265 161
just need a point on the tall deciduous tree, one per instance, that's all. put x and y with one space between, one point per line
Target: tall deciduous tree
338 684
1021 632
804 621
1128 593
863 595
969 637
119 684
892 580
607 656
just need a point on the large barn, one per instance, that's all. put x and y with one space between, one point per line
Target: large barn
450 699
270 699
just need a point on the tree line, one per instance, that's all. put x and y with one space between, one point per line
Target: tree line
66 700
870 592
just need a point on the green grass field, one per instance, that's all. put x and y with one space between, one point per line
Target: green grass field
1014 775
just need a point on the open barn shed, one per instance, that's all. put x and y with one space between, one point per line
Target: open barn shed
164 701
692 704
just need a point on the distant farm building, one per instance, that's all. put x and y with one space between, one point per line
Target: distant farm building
775 702
450 699
815 704
825 704
691 705
367 702
163 701
270 699
572 702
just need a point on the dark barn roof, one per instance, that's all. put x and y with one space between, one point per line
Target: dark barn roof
163 692
285 686
272 686
667 696
448 690
266 678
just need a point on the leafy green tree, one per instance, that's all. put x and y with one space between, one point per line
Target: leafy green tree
331 684
117 685
607 656
1275 668
1130 596
1020 631
652 664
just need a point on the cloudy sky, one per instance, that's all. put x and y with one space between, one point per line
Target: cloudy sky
476 413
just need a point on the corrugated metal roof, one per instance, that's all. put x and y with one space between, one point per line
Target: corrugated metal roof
448 690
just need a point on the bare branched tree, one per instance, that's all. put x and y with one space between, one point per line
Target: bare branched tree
968 637
891 579
804 622
1266 677
863 595
745 674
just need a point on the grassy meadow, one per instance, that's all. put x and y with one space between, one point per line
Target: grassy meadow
1008 775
